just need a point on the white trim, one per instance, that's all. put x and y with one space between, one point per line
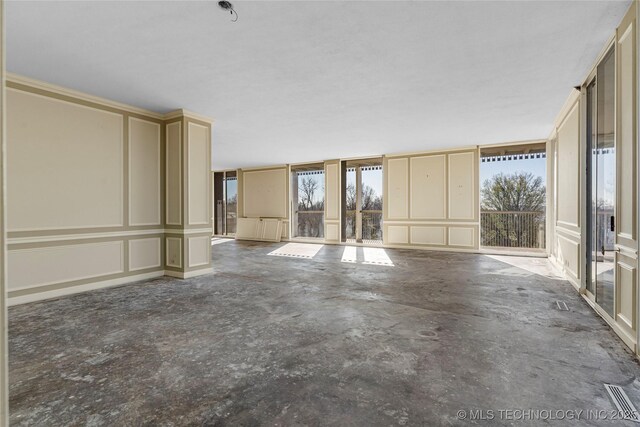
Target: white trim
187 114
83 236
23 299
187 231
622 333
38 84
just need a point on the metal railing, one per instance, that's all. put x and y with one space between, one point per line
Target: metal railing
371 224
513 229
309 224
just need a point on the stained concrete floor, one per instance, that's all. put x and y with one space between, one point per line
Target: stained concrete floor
283 341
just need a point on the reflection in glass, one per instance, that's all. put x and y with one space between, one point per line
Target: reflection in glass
231 183
604 238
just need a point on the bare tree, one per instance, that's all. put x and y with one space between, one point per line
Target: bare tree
307 193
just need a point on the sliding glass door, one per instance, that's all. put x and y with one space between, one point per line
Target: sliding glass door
601 185
225 208
307 190
363 200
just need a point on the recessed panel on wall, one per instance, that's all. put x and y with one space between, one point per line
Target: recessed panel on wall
198 147
397 199
568 171
626 144
569 255
428 235
265 193
144 172
145 253
174 174
199 251
173 252
332 231
626 295
398 234
59 264
66 164
462 236
332 191
462 170
428 187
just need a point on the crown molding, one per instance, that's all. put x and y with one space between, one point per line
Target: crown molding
186 113
38 84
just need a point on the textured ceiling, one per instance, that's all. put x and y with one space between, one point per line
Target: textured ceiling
304 81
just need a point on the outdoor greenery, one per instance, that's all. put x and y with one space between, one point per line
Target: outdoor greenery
513 210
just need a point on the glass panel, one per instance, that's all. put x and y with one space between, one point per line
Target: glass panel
351 204
591 184
232 203
309 215
513 198
372 203
606 184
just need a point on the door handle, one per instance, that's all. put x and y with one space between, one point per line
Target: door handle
613 223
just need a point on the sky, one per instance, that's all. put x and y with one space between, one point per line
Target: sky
538 167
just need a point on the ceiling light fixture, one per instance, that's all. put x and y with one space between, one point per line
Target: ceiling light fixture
228 6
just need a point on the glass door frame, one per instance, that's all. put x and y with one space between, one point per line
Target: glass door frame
358 211
221 218
293 170
591 215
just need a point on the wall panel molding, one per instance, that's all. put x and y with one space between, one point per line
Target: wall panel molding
145 172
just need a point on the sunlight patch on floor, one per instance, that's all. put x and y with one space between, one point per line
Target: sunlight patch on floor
369 256
218 240
376 256
540 266
297 250
349 254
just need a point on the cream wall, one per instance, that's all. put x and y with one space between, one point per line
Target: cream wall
569 189
188 197
91 192
432 200
264 193
626 304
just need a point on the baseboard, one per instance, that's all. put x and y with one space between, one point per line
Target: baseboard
188 274
40 296
560 268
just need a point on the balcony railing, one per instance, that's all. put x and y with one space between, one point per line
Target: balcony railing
309 224
371 225
513 229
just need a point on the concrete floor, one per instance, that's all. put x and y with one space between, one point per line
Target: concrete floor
271 340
